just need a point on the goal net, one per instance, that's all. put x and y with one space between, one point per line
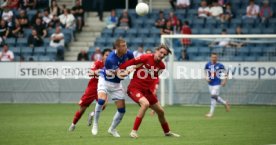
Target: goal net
250 61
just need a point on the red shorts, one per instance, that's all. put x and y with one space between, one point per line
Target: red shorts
136 94
88 97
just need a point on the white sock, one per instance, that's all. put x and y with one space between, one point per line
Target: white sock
117 119
92 113
221 100
213 106
98 110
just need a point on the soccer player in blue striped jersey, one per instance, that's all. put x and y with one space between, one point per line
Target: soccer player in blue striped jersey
216 76
110 84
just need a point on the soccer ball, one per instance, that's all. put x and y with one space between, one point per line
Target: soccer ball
142 9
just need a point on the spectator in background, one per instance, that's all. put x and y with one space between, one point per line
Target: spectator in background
252 11
78 12
184 56
6 54
167 29
16 31
216 11
227 15
39 15
67 19
182 4
239 42
266 11
124 21
35 40
203 11
7 14
40 28
98 5
83 56
4 30
57 41
148 51
175 22
139 51
112 20
47 18
97 55
54 8
3 4
29 4
186 30
221 42
161 21
172 2
22 19
13 4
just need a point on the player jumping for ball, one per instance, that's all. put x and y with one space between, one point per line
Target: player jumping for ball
216 77
140 89
90 93
110 84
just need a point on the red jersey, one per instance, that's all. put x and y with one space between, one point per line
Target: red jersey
93 83
146 76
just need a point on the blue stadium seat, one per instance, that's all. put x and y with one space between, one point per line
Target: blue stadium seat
119 33
204 51
235 22
199 23
138 23
255 31
205 31
46 41
216 31
273 58
39 51
15 50
195 30
26 51
149 41
262 58
231 31
137 41
30 57
219 50
51 52
155 32
244 51
27 32
10 41
249 23
229 51
256 51
131 32
193 51
268 31
22 42
143 32
100 41
110 41
45 58
107 32
250 58
198 58
211 23
237 58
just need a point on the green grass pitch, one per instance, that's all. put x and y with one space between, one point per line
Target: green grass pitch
47 124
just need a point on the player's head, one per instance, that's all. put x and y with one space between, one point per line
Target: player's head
161 52
121 46
148 51
105 54
214 57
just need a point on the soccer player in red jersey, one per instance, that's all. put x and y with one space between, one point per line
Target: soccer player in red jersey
90 93
140 89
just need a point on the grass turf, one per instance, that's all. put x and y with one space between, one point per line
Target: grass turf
47 124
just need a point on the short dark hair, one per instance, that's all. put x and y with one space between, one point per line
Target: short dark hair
186 23
118 41
106 50
214 53
165 47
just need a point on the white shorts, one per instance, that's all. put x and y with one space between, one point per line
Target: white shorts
214 90
114 90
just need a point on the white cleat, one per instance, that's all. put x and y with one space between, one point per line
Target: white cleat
172 134
72 127
209 115
133 134
90 118
113 132
227 106
94 129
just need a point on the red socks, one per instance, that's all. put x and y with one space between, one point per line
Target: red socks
165 127
77 117
137 123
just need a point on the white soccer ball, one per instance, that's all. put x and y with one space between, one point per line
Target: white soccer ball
142 9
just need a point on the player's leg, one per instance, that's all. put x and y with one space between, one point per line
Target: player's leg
220 100
91 114
117 117
161 116
214 98
77 116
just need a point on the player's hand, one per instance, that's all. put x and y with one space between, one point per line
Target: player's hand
122 73
223 84
207 79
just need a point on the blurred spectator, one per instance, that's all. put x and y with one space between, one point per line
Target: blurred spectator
40 28
252 11
138 52
175 22
4 30
112 20
160 22
172 2
238 43
29 4
97 55
216 10
124 21
39 15
16 31
3 3
221 42
57 39
98 5
78 12
148 51
47 18
227 15
6 54
13 4
67 19
82 56
186 30
54 8
184 56
182 4
7 14
266 11
167 29
203 10
35 40
22 19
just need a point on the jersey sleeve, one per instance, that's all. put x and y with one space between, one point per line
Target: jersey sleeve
134 61
130 55
206 66
108 64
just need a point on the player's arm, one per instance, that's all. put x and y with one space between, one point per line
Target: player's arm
224 76
94 71
206 73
